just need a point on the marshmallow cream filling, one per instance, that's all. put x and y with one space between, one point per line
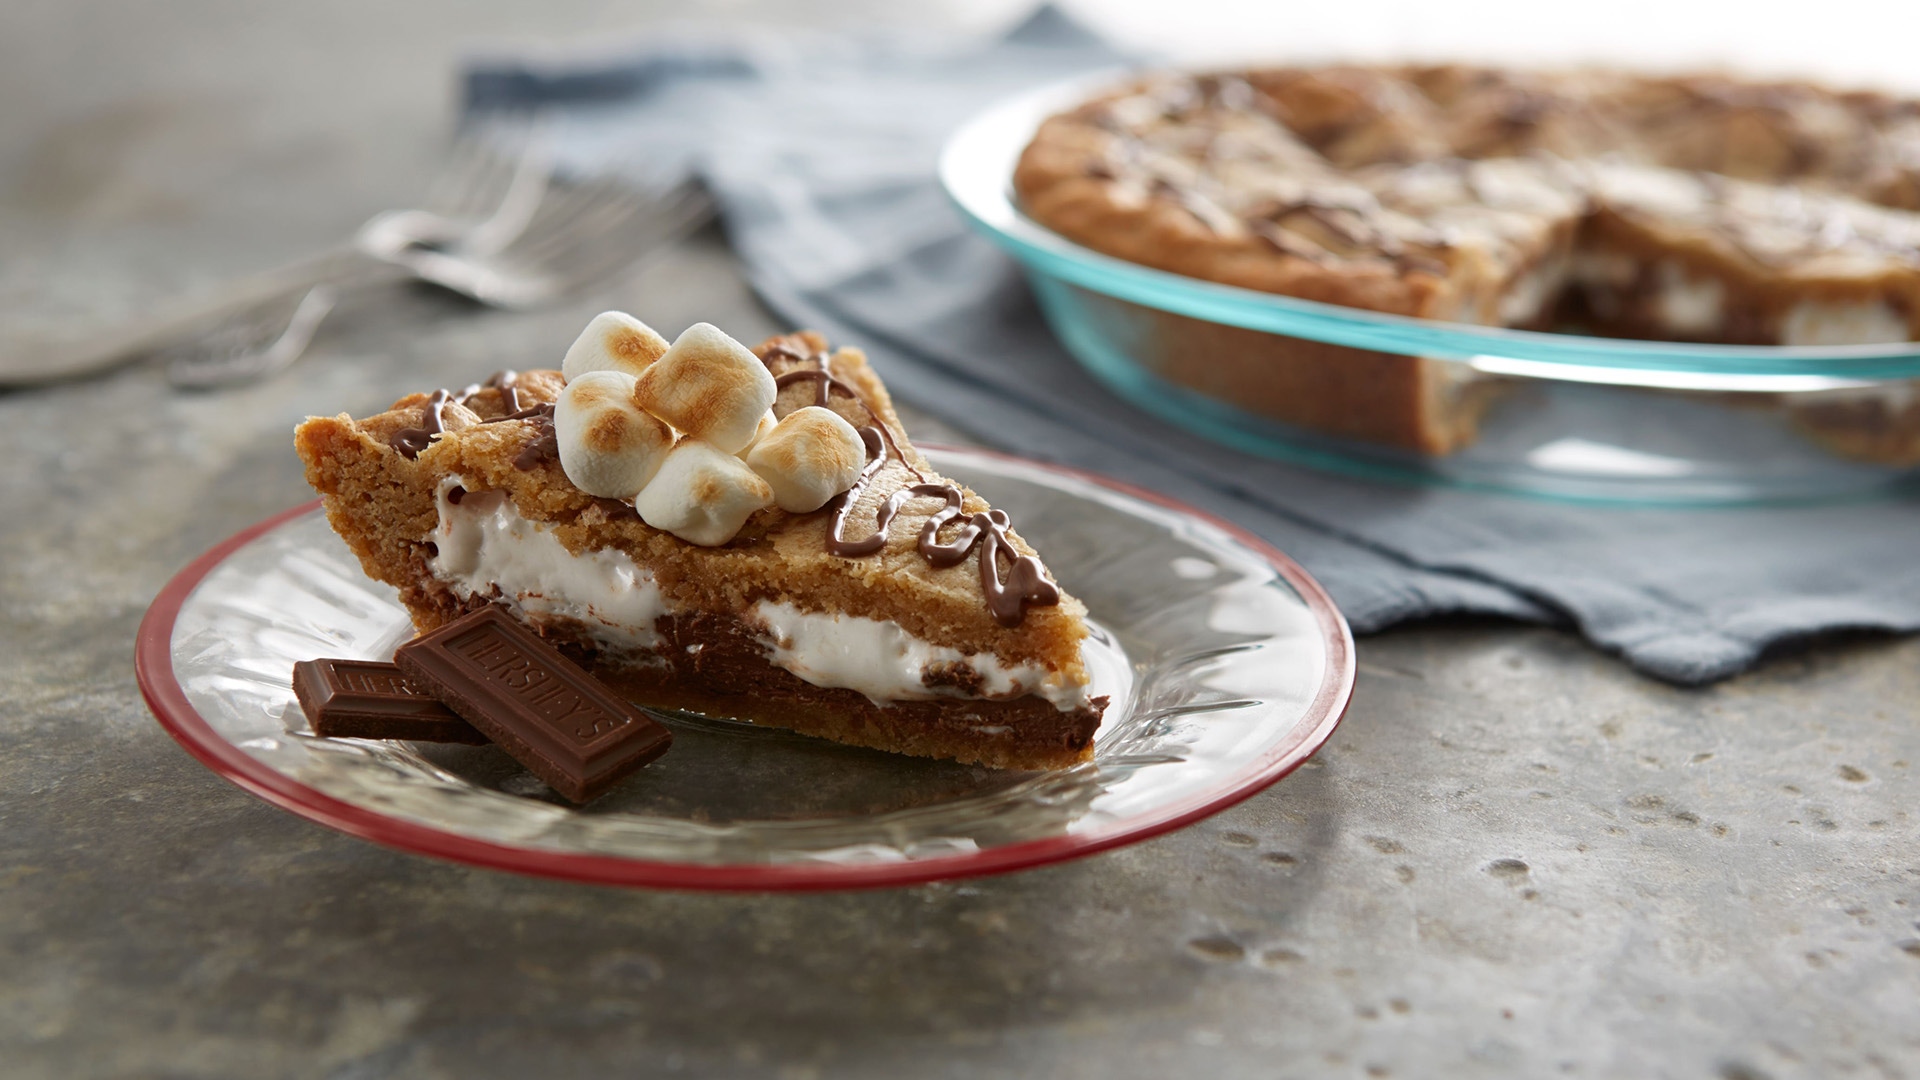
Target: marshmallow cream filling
884 662
486 548
485 545
1812 322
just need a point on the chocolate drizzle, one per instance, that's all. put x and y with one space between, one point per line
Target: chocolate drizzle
1789 225
1027 583
1346 219
824 381
508 383
410 441
531 412
837 542
433 420
544 446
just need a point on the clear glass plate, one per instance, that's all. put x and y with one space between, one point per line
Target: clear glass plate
1226 664
1584 418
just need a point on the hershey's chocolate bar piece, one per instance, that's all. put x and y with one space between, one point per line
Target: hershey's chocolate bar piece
560 722
367 699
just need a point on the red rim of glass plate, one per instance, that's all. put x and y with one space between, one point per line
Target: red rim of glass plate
153 663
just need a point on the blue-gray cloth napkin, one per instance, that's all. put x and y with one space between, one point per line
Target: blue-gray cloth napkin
821 152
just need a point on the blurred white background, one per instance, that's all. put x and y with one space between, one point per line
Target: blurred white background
1854 42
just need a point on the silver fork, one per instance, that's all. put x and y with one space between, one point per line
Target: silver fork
482 173
533 251
581 233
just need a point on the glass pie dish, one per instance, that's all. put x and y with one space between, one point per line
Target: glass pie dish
1556 415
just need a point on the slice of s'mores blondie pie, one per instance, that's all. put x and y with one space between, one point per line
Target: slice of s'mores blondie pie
739 532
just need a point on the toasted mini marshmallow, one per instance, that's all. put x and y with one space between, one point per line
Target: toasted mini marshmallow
808 458
608 445
766 424
702 494
710 387
613 341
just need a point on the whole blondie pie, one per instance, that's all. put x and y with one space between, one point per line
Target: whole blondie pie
742 533
1695 208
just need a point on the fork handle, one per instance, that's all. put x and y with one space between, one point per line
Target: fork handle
140 337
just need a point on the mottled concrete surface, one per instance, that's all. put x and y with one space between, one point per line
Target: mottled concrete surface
1514 859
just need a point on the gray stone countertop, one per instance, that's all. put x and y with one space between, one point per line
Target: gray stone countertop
1515 858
